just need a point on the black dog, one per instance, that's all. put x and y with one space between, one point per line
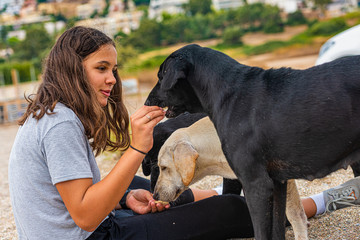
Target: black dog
162 132
290 123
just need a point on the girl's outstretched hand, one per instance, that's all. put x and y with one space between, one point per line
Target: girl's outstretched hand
142 202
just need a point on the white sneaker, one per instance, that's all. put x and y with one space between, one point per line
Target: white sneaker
345 195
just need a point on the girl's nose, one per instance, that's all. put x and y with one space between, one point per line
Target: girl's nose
111 79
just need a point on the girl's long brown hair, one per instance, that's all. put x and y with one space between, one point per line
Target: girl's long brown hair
65 81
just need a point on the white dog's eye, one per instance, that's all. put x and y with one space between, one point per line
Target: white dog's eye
162 168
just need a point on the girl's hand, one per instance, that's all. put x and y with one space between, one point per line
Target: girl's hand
143 122
142 202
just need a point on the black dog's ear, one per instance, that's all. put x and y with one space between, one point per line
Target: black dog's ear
171 78
171 74
146 166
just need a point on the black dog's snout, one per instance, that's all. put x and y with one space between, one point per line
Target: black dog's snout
156 196
150 101
147 102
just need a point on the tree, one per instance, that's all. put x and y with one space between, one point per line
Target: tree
3 32
249 16
232 35
296 18
256 17
58 17
141 2
199 27
321 4
146 36
173 27
198 7
271 20
125 54
105 11
37 40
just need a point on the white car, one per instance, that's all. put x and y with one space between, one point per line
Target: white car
346 43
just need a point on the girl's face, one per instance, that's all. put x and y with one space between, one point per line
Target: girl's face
100 67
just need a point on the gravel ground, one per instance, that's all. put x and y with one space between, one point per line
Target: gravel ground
7 225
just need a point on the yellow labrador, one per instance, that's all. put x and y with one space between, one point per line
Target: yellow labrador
192 153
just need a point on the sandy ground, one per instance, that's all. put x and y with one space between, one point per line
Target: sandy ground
7 226
343 224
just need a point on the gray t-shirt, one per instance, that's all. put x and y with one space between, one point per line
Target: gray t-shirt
45 152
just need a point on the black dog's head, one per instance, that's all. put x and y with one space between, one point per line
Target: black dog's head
173 89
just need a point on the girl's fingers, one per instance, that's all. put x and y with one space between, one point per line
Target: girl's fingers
158 207
153 207
155 121
152 117
146 115
144 110
143 123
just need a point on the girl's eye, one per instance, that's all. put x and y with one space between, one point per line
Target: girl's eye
102 68
114 72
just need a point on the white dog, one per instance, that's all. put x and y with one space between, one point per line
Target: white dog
192 153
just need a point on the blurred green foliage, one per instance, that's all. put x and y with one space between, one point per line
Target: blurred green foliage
141 2
232 35
199 22
327 28
153 62
296 18
26 72
194 7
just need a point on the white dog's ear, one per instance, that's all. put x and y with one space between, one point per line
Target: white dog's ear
185 160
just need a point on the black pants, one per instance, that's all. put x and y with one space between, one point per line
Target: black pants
219 217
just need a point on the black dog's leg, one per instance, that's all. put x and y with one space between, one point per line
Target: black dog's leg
258 194
258 188
232 186
279 210
356 169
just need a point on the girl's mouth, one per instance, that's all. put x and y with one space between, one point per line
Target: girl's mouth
106 92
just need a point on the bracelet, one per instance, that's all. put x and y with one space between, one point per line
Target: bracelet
138 150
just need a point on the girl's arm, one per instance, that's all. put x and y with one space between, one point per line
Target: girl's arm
202 194
88 203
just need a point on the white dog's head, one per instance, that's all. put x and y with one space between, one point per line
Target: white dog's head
177 168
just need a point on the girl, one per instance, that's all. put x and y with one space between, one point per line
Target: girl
55 183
